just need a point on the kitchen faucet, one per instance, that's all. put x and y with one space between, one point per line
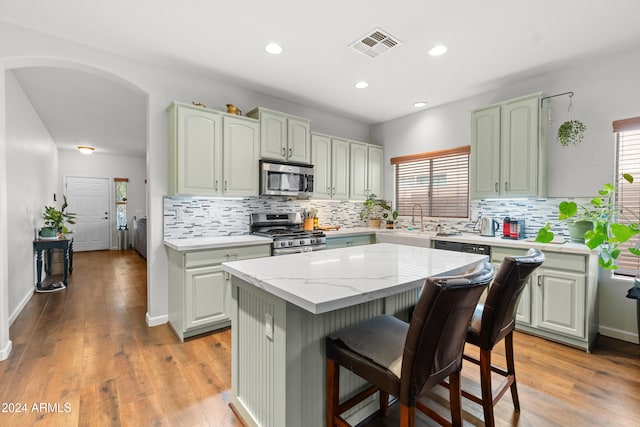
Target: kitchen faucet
413 222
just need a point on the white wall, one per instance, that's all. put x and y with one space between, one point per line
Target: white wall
21 48
75 164
32 177
604 90
5 342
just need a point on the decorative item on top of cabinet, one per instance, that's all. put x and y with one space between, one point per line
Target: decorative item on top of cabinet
283 136
211 153
330 158
366 172
508 149
232 109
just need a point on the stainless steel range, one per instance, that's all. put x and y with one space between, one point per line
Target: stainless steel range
288 235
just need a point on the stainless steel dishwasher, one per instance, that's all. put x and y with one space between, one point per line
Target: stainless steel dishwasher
462 247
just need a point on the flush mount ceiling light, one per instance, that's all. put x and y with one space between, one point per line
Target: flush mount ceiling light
85 149
273 48
361 85
438 50
420 104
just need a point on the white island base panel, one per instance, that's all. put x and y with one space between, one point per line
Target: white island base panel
278 373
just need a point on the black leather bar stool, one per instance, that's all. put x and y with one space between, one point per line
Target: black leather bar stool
494 320
407 359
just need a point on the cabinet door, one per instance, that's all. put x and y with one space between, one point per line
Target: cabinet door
241 154
358 172
485 153
298 140
207 296
273 135
560 302
340 169
375 171
519 145
198 152
523 314
321 159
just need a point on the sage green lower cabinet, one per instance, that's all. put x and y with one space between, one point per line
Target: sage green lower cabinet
560 301
346 241
199 291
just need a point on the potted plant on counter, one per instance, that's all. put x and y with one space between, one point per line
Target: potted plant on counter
390 221
373 210
605 233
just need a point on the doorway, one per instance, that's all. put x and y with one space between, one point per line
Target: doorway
88 198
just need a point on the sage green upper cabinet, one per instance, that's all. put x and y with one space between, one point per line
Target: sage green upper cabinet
212 153
330 158
241 153
283 137
195 150
508 150
366 174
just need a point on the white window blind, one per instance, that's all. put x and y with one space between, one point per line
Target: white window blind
438 181
628 195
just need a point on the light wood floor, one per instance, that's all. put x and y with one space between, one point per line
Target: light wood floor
88 356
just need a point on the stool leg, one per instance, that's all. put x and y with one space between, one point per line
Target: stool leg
384 403
333 391
407 416
511 369
485 384
455 398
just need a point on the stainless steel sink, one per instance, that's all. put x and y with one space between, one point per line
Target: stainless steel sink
448 233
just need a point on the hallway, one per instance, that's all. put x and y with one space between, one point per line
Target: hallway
85 356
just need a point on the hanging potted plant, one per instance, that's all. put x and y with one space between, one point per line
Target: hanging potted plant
571 132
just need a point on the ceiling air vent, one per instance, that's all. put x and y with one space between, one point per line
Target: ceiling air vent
375 43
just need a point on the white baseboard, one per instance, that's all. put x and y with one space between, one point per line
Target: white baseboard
20 307
619 334
6 351
155 321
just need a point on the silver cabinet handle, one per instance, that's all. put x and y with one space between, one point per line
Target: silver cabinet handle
225 185
284 152
216 185
540 280
506 186
290 152
334 191
496 187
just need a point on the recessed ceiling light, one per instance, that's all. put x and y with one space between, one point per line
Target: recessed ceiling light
85 149
273 48
361 85
420 104
438 50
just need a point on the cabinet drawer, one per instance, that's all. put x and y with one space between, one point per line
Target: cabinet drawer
342 242
218 256
558 260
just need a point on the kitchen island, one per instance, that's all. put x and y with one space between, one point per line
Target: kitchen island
284 306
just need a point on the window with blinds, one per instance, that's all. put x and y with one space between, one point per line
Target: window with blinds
628 195
437 180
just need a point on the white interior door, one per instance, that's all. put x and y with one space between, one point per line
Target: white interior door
88 198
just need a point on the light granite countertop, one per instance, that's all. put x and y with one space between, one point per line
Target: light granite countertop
201 243
324 281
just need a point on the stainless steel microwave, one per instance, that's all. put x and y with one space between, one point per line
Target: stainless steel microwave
285 179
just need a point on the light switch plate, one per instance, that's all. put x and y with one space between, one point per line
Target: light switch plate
268 325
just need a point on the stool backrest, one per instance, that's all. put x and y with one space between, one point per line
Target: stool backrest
499 312
438 327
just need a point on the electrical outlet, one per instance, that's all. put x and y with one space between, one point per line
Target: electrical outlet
179 214
268 325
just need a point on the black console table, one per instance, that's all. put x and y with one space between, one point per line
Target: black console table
41 245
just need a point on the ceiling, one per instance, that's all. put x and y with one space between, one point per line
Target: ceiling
490 43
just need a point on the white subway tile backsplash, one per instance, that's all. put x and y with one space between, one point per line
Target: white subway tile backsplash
207 217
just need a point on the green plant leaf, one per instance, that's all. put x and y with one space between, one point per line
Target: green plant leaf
545 235
623 232
567 210
628 178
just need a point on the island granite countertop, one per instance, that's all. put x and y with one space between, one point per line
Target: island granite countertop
324 281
